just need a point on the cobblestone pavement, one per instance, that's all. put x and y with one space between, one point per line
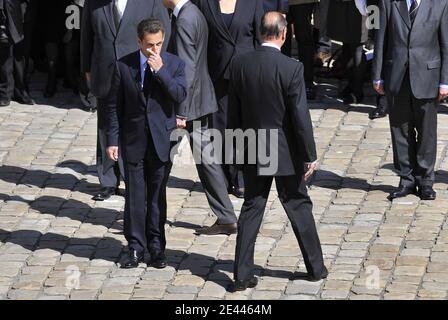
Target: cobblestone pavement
56 243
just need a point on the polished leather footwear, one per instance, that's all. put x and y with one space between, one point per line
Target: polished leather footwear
351 98
243 285
218 229
26 100
402 192
238 192
314 278
105 194
377 113
5 103
134 259
427 193
158 260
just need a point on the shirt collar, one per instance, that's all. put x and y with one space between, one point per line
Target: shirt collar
266 44
179 6
143 61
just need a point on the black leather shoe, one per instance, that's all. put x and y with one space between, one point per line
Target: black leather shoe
104 194
5 103
314 278
377 114
352 98
134 259
26 100
218 229
402 192
243 285
158 260
238 192
427 193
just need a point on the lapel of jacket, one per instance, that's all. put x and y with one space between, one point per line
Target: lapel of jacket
109 14
216 13
402 7
423 9
132 6
135 73
240 10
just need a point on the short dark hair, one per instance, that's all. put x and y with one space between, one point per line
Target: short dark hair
150 25
272 24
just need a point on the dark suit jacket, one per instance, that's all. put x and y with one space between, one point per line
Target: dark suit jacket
421 48
189 42
130 114
14 18
102 44
225 43
276 5
273 99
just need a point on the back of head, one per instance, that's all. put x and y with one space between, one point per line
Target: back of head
273 26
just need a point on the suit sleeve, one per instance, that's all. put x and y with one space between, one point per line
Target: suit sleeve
175 85
161 13
114 107
86 38
283 6
300 115
259 11
443 36
380 44
186 50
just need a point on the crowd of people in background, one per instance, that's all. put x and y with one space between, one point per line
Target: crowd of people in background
157 65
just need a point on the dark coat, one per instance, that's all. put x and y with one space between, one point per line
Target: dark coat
274 99
345 23
130 113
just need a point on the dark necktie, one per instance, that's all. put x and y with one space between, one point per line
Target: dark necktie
117 15
172 42
147 82
413 10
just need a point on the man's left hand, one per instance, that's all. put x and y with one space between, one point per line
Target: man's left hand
443 94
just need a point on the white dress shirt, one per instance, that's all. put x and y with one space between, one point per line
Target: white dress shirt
266 44
362 7
179 6
409 2
121 6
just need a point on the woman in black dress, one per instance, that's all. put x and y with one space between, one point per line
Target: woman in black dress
233 29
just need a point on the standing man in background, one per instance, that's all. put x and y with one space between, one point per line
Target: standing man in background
12 53
189 41
411 52
108 34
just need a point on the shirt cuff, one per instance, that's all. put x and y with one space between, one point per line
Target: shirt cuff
443 86
309 163
181 117
378 81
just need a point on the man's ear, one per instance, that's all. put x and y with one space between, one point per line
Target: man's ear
284 34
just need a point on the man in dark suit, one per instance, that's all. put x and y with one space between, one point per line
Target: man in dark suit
12 54
276 5
411 51
274 100
108 34
141 117
189 41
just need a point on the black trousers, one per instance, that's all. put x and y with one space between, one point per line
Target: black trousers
109 171
234 175
357 65
12 72
145 207
324 40
301 16
298 206
413 125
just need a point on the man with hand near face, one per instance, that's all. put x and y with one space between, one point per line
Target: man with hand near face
146 87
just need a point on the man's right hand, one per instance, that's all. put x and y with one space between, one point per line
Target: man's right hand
181 123
309 170
112 153
379 87
88 77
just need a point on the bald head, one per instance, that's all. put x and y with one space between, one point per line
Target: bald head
273 26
